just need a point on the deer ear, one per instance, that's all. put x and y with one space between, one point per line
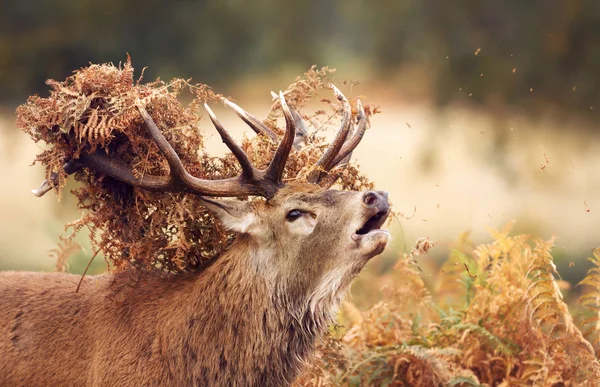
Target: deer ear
235 215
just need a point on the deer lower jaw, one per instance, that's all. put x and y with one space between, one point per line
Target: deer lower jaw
360 238
372 240
375 220
372 243
371 226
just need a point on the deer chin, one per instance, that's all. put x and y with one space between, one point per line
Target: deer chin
371 240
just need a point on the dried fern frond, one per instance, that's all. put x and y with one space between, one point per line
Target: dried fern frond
591 302
409 365
63 251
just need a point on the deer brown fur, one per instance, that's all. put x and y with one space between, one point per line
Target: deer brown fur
252 318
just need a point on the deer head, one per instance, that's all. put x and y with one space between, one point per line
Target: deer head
307 241
295 255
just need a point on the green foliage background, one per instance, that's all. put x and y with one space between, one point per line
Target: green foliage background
554 46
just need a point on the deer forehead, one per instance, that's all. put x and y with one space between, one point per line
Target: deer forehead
311 196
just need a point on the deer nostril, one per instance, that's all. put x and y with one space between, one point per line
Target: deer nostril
370 198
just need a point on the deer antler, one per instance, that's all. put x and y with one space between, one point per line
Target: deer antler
340 150
251 181
251 121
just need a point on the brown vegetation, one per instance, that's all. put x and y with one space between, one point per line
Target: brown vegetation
496 318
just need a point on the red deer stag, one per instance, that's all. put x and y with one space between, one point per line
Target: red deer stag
251 318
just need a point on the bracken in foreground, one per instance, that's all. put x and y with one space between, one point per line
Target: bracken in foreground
497 318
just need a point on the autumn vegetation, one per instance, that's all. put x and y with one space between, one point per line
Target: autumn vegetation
496 317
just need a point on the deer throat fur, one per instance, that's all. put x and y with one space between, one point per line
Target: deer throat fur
224 326
261 335
227 325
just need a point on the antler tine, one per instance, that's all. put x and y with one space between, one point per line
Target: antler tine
43 189
343 157
112 167
235 186
118 169
277 166
69 167
238 152
252 121
346 152
173 159
326 161
353 142
301 132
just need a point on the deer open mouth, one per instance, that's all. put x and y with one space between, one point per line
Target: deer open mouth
374 222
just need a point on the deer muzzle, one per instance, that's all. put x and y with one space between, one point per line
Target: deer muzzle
370 237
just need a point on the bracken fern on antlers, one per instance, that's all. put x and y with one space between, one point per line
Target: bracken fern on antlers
95 109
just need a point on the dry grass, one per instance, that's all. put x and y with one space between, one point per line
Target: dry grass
496 318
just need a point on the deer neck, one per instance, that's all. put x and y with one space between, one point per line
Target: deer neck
243 321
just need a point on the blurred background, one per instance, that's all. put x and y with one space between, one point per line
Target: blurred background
490 109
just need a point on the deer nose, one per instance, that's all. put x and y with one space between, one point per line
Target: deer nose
377 199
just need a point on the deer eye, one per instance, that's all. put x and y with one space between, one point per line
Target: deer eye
293 215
